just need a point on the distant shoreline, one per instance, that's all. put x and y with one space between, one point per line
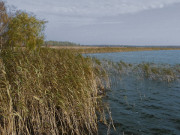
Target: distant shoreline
98 49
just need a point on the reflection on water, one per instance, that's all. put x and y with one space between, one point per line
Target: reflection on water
142 106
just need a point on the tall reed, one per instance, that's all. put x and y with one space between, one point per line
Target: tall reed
48 92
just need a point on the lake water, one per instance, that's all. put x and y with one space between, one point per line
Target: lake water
142 106
163 57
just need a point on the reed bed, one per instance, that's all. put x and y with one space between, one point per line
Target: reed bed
151 71
49 92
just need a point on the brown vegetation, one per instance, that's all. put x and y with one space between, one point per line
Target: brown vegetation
48 92
94 49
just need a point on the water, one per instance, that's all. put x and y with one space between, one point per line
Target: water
141 106
171 56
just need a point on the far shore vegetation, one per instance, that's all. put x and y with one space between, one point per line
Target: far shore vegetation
116 49
59 43
101 49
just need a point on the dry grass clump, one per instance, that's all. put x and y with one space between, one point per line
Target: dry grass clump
48 92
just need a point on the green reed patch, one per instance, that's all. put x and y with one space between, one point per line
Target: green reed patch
152 71
158 72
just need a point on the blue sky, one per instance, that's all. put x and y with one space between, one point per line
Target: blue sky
121 22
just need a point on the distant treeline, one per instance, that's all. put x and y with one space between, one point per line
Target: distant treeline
60 43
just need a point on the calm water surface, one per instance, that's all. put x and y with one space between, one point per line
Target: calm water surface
140 106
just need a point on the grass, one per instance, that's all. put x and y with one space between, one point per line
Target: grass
49 92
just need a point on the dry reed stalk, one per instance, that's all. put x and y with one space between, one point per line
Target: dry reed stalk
48 92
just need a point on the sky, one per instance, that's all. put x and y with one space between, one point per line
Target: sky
108 22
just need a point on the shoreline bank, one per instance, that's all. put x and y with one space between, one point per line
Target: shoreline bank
96 49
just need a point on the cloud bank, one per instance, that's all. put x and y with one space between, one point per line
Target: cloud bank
89 8
108 21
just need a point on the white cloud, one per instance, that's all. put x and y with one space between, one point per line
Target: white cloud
89 8
86 12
